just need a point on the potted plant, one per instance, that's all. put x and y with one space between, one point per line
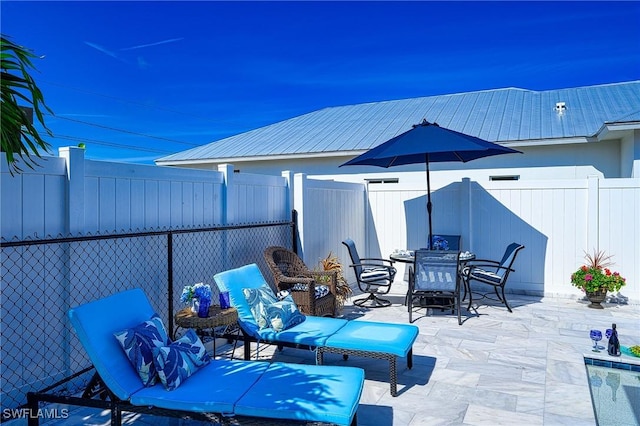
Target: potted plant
332 263
596 279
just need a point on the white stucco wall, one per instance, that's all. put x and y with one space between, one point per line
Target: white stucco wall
604 158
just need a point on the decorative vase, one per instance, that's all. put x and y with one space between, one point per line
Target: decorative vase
203 308
596 298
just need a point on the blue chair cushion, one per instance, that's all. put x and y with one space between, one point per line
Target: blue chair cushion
235 281
483 275
215 388
139 342
314 331
95 323
374 273
180 360
322 393
389 338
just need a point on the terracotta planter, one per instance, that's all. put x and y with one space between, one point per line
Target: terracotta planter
596 298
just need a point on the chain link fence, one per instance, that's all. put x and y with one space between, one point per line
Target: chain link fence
42 279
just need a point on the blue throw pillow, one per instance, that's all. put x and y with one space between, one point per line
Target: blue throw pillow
259 299
180 360
284 314
138 343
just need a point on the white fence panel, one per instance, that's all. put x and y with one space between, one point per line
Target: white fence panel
31 204
328 213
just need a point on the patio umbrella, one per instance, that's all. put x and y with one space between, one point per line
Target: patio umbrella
426 143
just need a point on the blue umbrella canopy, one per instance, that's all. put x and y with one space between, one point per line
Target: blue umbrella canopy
425 143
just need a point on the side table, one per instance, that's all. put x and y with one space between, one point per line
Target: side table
227 318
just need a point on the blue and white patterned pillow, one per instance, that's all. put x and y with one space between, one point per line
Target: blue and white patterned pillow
180 360
320 290
269 312
138 343
259 299
284 314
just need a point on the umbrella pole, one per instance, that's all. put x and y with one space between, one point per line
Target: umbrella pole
430 243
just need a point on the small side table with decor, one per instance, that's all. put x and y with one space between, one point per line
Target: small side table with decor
224 319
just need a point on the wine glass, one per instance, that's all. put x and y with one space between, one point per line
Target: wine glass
596 336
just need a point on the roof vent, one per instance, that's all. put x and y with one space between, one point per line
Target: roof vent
560 107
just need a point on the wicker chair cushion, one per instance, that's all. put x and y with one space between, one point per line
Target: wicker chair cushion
138 344
180 360
320 290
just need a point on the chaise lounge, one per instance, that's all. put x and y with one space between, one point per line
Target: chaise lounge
387 341
306 393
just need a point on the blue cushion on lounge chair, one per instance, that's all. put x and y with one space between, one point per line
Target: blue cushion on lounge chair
324 393
215 388
314 331
375 337
248 276
95 324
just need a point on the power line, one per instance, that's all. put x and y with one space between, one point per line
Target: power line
125 131
111 144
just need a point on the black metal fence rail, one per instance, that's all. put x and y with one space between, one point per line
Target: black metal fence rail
42 279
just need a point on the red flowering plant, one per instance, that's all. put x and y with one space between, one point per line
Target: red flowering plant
596 276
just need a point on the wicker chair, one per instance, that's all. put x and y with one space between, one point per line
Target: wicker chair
288 270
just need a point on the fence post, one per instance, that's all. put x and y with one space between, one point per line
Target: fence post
74 225
298 206
74 220
227 193
593 213
466 217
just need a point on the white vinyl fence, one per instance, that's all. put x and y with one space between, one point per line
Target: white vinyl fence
557 221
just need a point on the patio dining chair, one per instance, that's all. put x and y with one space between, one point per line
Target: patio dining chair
434 282
374 276
491 272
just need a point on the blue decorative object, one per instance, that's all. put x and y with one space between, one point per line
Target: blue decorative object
440 243
199 296
596 336
139 342
203 308
224 300
178 361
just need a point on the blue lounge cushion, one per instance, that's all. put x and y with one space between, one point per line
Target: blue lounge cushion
371 336
180 360
139 342
215 388
314 331
95 323
317 393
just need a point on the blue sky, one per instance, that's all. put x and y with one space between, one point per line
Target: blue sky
136 81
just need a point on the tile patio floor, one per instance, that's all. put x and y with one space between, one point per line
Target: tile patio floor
498 368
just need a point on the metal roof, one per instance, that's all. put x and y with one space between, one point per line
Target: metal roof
500 115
